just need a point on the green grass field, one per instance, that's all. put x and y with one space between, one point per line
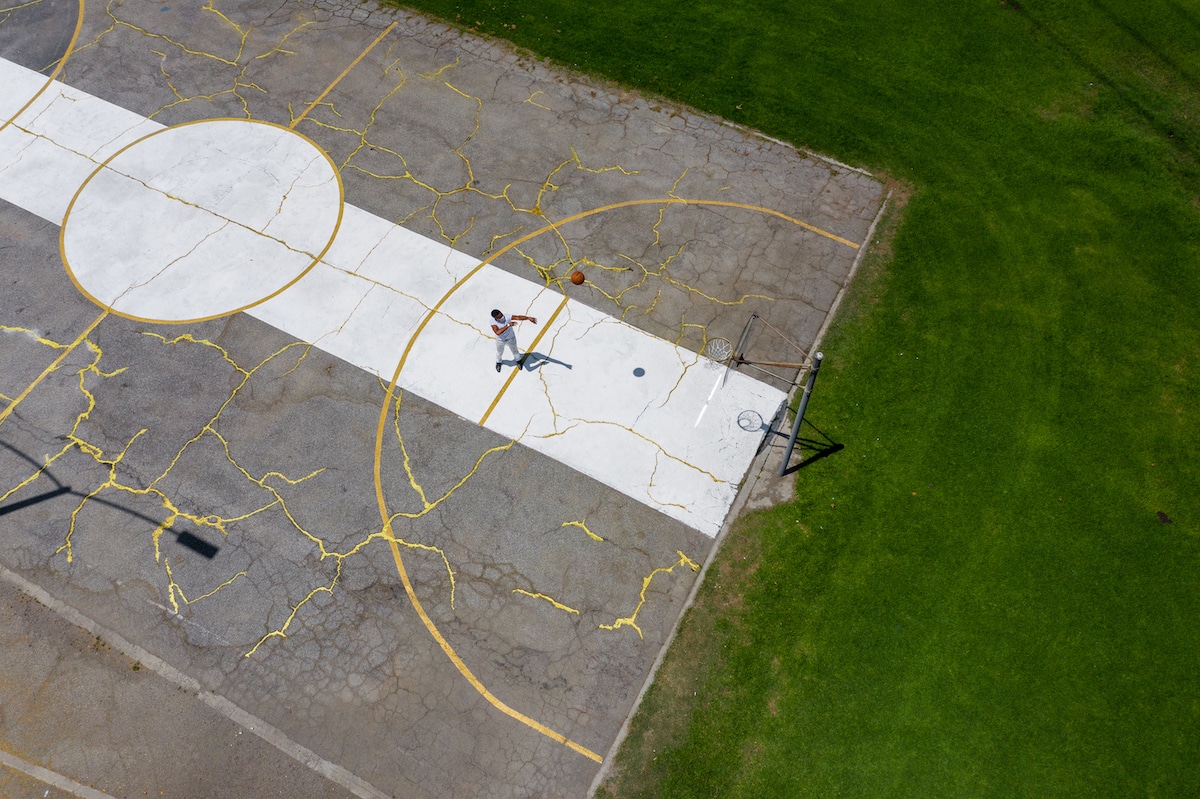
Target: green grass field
977 596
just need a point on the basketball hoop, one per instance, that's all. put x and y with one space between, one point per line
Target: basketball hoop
718 349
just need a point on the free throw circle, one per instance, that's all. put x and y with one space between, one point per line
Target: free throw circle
201 220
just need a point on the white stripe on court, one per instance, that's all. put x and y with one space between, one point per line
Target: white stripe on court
661 434
51 778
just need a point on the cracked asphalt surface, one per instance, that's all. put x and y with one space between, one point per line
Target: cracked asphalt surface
203 493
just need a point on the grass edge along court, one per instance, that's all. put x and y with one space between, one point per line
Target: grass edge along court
992 590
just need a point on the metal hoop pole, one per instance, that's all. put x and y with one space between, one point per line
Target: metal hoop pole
808 388
741 345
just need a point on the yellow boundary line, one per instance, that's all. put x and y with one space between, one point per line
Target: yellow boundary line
759 208
466 672
62 62
12 406
512 376
391 392
345 72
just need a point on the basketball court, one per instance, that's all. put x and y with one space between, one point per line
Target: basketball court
252 426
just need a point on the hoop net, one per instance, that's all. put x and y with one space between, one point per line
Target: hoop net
718 349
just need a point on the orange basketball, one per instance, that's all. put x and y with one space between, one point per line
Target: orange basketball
577 278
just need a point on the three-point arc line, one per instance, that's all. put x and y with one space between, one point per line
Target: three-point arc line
391 391
62 62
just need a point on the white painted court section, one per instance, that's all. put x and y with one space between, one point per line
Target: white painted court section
223 186
668 438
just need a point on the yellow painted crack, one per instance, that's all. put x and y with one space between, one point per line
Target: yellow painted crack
496 238
575 422
175 594
181 99
67 350
49 461
237 58
420 492
279 48
631 619
674 192
171 511
583 526
529 100
650 485
267 481
543 597
426 504
345 72
281 632
33 334
115 22
19 6
438 73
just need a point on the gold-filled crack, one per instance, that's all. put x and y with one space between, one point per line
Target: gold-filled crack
631 619
545 598
583 526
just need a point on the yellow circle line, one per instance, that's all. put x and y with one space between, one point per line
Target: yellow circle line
391 392
760 209
62 62
62 231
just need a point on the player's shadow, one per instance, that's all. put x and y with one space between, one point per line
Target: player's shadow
819 448
536 360
182 537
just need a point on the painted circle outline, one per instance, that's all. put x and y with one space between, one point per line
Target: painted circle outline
62 63
62 230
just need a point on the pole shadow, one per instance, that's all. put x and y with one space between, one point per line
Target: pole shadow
182 537
822 448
